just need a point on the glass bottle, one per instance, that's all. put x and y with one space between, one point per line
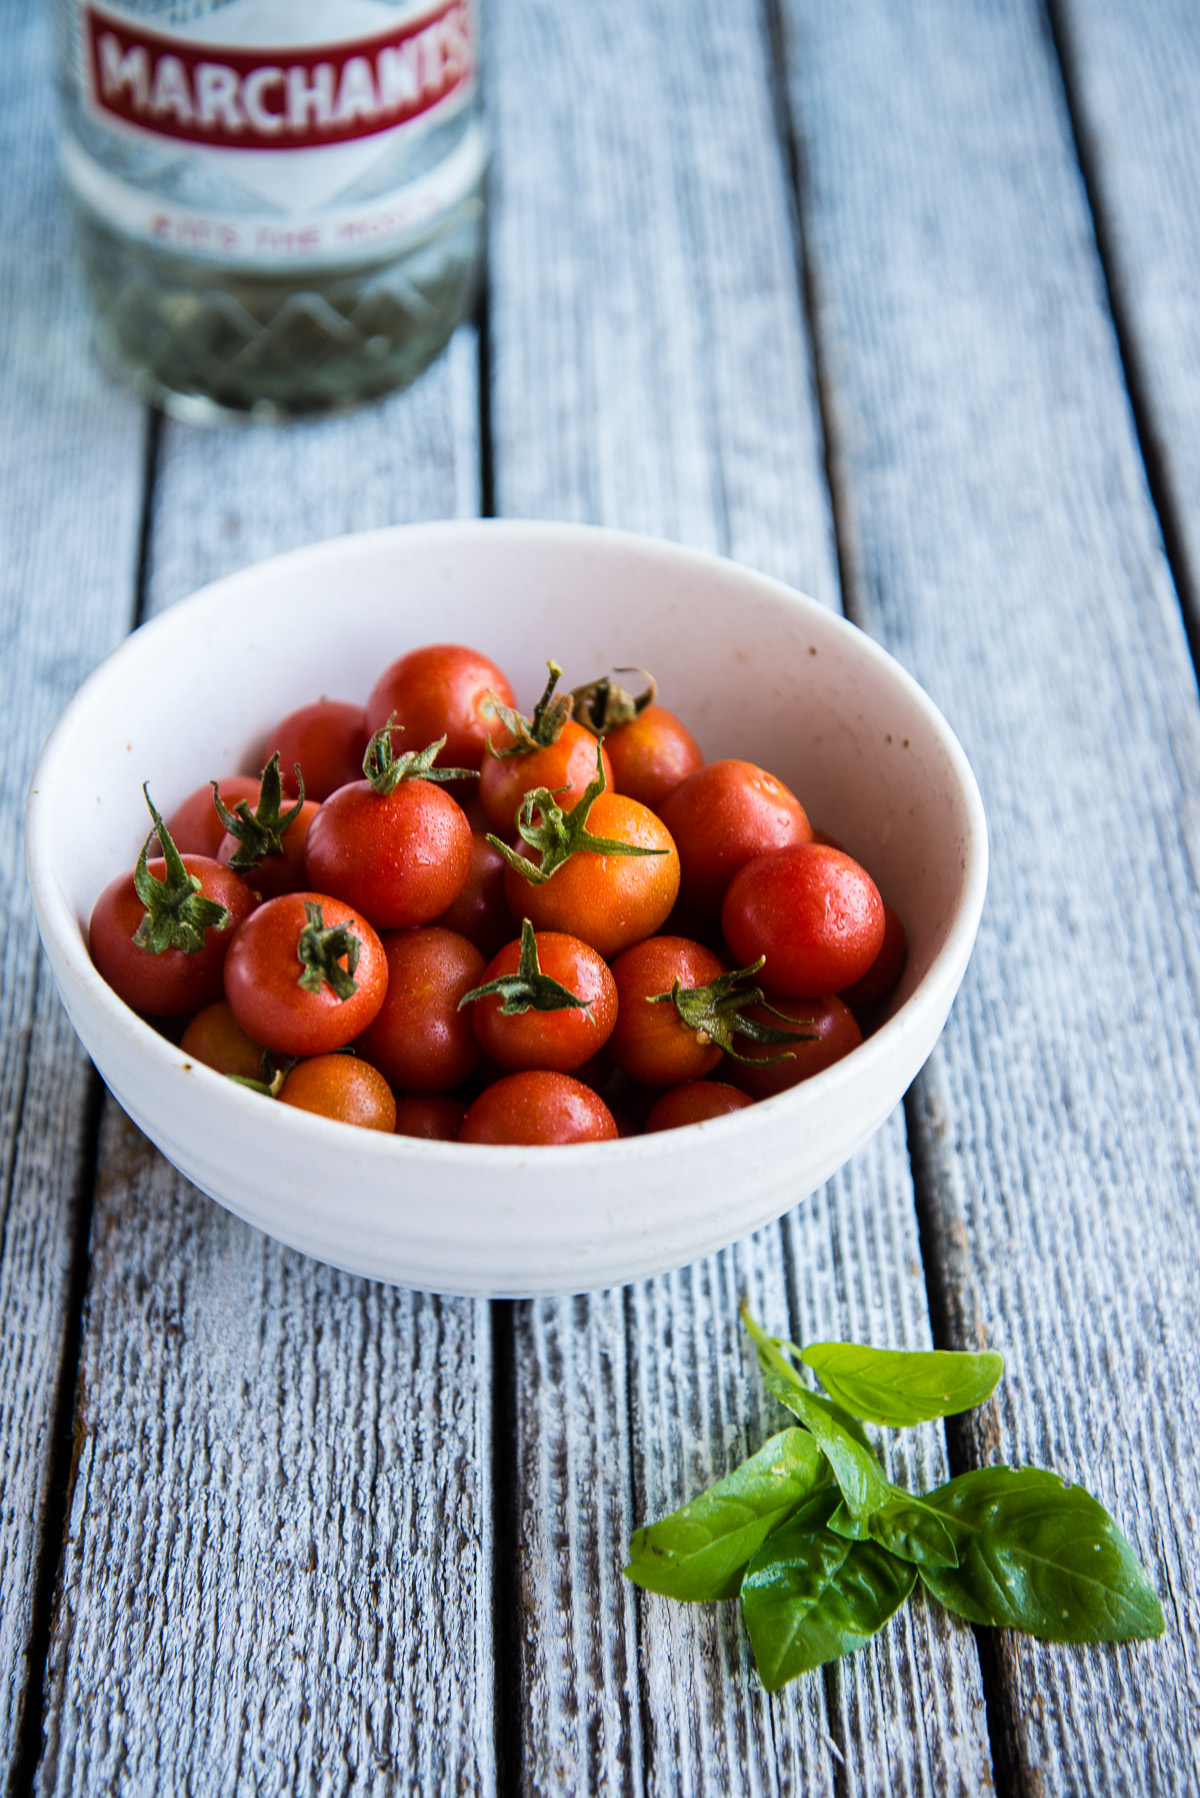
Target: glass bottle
279 203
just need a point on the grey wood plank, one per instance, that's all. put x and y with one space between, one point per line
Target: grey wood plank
1134 75
1000 538
651 370
283 1497
71 456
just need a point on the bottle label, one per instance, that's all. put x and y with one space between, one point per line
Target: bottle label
297 125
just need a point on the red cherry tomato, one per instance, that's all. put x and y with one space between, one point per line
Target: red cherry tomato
610 901
721 817
441 690
561 1040
178 980
883 975
215 1038
328 739
437 1117
833 1027
652 754
651 1042
812 911
565 767
263 972
400 858
537 1107
194 825
480 913
276 874
420 1041
338 1086
695 1102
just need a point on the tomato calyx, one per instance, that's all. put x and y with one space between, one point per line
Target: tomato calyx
275 1070
384 769
538 732
528 989
602 706
714 1012
321 948
178 915
259 832
559 835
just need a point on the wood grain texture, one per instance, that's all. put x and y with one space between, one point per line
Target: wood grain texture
651 370
71 451
999 537
1134 75
277 1560
282 1503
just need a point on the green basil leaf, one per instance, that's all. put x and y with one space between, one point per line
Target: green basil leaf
907 1527
890 1386
844 1523
810 1596
863 1483
698 1553
1037 1554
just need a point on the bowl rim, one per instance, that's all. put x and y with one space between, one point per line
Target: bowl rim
59 923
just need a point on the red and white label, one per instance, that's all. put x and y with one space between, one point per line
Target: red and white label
300 97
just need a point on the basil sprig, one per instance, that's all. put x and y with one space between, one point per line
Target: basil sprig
822 1550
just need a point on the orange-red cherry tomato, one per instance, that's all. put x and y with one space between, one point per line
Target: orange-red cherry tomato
338 1086
651 1042
480 913
695 1102
721 817
565 768
537 1107
400 858
328 739
611 901
651 755
832 1026
179 980
264 966
436 1117
195 826
419 1040
883 975
215 1038
561 1040
812 911
440 690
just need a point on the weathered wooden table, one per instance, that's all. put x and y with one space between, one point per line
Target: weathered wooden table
896 301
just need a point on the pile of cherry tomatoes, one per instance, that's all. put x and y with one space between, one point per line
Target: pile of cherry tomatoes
437 916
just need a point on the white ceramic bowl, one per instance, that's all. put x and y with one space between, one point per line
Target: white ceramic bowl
755 669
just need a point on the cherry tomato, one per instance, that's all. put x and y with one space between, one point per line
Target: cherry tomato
812 911
338 1086
194 825
651 1042
177 980
276 874
651 755
420 1041
215 1038
558 1039
565 768
721 817
694 1103
833 1027
400 858
480 913
538 1107
610 901
264 970
883 975
328 739
441 690
437 1117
